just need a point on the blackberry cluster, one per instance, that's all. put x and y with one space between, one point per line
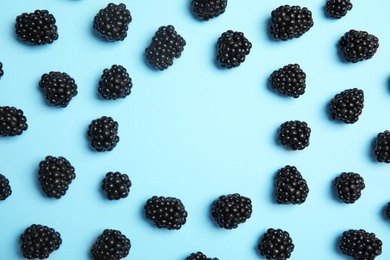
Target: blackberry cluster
207 9
166 212
387 211
276 244
116 185
294 134
39 241
12 121
357 46
289 80
112 22
232 48
347 106
103 134
349 186
111 245
115 83
382 147
338 8
166 45
1 70
288 22
37 28
229 211
360 244
5 188
290 186
199 256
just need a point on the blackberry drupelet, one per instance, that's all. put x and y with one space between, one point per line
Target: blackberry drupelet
276 244
347 106
338 8
1 70
39 241
348 186
5 188
387 211
229 211
360 244
294 134
357 46
103 134
112 22
289 80
12 121
37 28
207 9
382 147
232 48
288 22
290 186
116 185
199 256
111 245
166 212
115 83
166 45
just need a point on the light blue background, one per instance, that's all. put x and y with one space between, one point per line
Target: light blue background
194 131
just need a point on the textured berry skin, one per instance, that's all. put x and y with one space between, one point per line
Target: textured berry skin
111 245
357 46
39 241
276 244
12 121
37 28
294 134
58 88
166 45
116 185
5 188
166 212
112 22
289 80
207 9
232 48
288 22
387 211
349 186
338 8
382 147
360 245
229 211
199 256
347 106
290 187
103 134
1 70
115 83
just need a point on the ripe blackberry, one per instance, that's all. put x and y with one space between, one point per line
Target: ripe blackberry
37 28
12 121
39 241
112 22
5 188
276 244
232 48
347 106
103 134
207 9
387 211
294 134
199 256
290 186
166 212
115 83
338 8
111 245
229 211
357 46
348 186
382 147
1 70
116 185
288 22
289 80
360 245
166 45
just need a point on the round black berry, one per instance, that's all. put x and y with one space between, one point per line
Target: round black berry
12 121
111 245
347 106
357 46
5 188
294 134
290 186
103 134
276 244
207 9
349 186
289 80
115 83
360 244
1 70
338 8
382 147
387 211
199 256
116 185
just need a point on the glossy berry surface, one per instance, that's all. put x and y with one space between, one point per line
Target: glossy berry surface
349 186
382 147
276 244
387 211
116 185
199 256
103 134
360 244
12 121
294 134
289 80
115 83
1 70
290 186
5 188
347 106
232 48
207 9
355 46
338 8
111 245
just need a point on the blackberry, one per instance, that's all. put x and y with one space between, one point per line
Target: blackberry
207 9
12 121
116 185
232 48
166 212
112 22
58 88
37 28
199 256
357 46
347 106
39 241
229 211
5 188
166 45
288 22
348 186
290 186
289 80
1 70
115 83
103 134
111 245
338 8
360 244
276 244
294 134
382 147
387 211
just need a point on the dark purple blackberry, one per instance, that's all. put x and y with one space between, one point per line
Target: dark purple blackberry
288 22
349 186
103 134
289 80
111 245
294 134
166 45
12 121
229 211
166 212
276 244
338 8
116 185
207 9
382 147
360 245
387 211
39 241
5 188
115 83
347 106
199 256
290 186
1 70
357 46
37 28
112 22
232 48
